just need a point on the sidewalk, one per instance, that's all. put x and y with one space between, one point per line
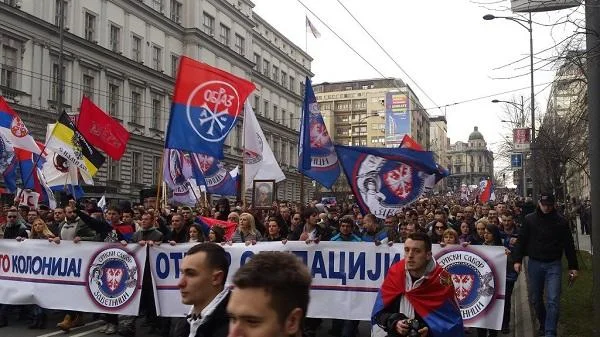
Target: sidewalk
522 320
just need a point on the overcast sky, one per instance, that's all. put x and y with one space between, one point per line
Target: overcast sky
444 45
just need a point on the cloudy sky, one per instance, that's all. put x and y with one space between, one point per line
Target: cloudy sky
444 46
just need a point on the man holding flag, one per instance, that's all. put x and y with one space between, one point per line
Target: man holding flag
418 295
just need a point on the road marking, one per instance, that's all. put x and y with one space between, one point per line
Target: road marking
87 332
60 332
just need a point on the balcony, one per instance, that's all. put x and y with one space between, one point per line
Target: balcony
9 93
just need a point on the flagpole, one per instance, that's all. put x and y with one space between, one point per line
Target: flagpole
305 33
160 179
36 162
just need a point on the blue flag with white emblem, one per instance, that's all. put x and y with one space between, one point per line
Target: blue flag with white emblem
206 104
317 157
383 180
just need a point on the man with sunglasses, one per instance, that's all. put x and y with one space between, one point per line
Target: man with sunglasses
13 229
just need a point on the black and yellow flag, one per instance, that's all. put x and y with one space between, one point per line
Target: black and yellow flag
68 142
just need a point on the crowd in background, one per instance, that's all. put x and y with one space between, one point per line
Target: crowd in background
446 220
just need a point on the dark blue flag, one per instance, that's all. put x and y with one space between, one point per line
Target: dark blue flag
211 172
383 180
317 157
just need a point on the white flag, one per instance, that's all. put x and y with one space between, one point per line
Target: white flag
312 28
57 170
102 202
259 161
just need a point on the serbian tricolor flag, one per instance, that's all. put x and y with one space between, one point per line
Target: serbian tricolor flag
486 193
207 223
206 104
434 300
102 130
14 130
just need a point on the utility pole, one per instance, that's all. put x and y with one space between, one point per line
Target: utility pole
61 36
592 25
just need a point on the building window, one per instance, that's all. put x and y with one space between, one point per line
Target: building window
136 106
88 86
266 67
209 25
115 38
276 150
176 11
276 114
292 84
156 170
136 48
90 27
65 3
9 67
275 73
239 137
266 110
256 62
136 167
240 44
156 58
113 172
284 79
54 89
156 111
292 121
256 105
157 5
113 99
174 65
224 36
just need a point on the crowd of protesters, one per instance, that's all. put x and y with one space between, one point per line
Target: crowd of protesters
447 221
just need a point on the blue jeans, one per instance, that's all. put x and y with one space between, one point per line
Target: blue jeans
546 275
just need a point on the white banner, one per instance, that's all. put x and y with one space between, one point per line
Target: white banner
88 276
350 274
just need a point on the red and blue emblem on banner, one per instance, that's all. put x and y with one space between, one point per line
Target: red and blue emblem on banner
318 159
206 104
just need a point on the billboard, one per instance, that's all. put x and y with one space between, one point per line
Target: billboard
521 139
397 118
541 5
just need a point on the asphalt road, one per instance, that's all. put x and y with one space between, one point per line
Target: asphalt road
18 328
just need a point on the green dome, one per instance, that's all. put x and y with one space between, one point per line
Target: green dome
475 135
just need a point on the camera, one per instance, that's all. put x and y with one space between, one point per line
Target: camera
413 327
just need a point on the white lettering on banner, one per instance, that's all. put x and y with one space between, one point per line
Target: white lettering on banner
89 276
350 274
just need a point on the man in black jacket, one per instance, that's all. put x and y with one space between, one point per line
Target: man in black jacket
11 230
202 284
544 236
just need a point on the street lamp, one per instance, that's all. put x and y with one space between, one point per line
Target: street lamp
518 106
529 28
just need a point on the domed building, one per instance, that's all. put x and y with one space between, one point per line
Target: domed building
470 162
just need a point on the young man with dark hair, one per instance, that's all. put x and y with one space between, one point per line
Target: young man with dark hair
417 288
204 271
270 298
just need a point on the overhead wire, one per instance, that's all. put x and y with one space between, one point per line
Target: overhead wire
386 52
